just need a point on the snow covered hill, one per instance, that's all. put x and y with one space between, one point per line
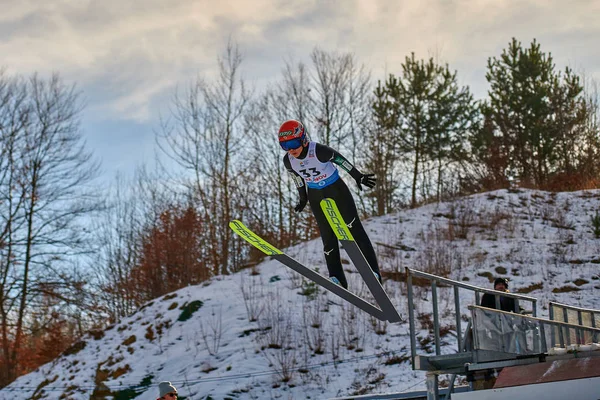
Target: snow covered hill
268 334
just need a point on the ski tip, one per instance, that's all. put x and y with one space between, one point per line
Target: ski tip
327 201
236 223
239 228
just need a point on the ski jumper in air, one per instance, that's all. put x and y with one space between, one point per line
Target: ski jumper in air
314 169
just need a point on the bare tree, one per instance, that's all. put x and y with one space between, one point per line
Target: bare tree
118 231
205 136
45 195
340 92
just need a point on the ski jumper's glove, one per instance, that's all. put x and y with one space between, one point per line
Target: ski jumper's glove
367 179
300 206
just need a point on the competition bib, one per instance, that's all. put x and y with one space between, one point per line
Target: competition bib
316 174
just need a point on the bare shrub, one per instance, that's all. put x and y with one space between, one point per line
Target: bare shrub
274 324
547 212
348 331
212 331
278 339
379 326
560 218
294 278
252 293
313 326
497 220
334 344
352 327
374 378
439 257
464 219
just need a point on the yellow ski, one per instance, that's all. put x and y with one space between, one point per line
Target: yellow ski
333 215
245 233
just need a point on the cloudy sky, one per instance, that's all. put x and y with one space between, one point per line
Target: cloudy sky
128 56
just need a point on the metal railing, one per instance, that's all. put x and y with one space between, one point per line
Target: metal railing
573 315
456 286
500 331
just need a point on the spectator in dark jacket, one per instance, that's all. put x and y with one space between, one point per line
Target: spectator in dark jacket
506 303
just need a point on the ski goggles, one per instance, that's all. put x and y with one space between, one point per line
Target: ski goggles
291 144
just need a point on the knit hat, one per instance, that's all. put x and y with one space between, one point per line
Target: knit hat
166 387
504 281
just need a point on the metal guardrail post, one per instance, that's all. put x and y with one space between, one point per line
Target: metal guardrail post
475 336
534 308
411 318
552 329
580 337
561 336
567 330
501 331
436 317
543 338
433 391
595 337
458 319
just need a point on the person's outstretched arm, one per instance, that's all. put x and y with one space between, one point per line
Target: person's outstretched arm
300 185
326 153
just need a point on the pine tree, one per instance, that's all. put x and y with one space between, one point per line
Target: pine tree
429 116
535 116
381 151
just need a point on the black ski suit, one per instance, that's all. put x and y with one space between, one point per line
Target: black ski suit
339 192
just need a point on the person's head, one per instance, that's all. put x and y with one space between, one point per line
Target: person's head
292 137
167 391
501 284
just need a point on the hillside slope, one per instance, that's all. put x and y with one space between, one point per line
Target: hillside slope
268 334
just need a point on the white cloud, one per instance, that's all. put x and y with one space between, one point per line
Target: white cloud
123 53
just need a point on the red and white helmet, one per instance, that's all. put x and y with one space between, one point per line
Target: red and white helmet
291 135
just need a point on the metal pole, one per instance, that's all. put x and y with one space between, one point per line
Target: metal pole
552 328
436 320
458 319
432 386
580 336
543 337
502 336
594 335
561 336
451 387
568 331
474 323
411 318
